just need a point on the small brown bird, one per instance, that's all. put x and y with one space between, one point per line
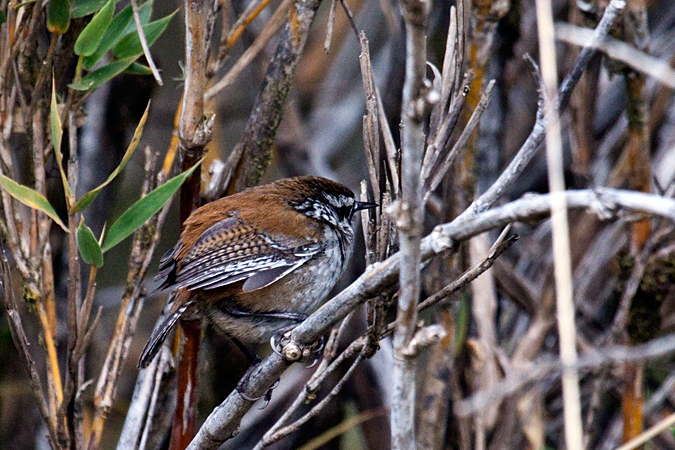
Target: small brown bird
260 261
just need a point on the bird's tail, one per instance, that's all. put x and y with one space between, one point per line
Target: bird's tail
158 336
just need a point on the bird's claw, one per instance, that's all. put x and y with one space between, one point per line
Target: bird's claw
292 351
243 384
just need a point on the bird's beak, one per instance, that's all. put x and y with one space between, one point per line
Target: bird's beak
358 206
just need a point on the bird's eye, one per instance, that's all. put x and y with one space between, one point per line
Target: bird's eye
346 211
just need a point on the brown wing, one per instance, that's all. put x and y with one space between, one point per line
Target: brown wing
232 251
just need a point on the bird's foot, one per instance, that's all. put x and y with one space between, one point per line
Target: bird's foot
293 351
243 385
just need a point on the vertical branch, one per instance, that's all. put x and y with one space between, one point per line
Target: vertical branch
637 111
194 134
73 373
635 31
560 229
142 249
409 221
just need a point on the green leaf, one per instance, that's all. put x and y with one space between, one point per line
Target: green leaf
57 134
138 69
90 38
130 44
121 25
81 8
89 248
143 209
144 13
58 16
3 17
30 198
89 197
99 76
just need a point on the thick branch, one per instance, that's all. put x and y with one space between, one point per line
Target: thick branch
194 133
409 219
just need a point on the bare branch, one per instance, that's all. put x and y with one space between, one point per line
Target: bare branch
536 137
546 367
272 27
409 216
607 203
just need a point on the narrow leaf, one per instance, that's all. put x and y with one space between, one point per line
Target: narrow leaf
143 209
130 44
99 76
144 13
57 134
89 197
121 25
81 8
90 38
58 16
138 69
89 248
30 198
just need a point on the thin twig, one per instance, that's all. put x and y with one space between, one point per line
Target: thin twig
562 259
471 274
144 44
546 366
616 49
228 40
536 136
21 343
329 26
662 425
285 431
451 157
273 25
443 133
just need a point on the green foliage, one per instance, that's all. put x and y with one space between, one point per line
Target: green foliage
105 32
30 198
81 8
89 197
138 69
130 44
143 209
3 17
99 76
120 25
58 16
57 134
89 247
91 36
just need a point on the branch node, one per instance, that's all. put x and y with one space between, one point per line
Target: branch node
423 338
441 242
602 206
404 215
291 351
204 130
